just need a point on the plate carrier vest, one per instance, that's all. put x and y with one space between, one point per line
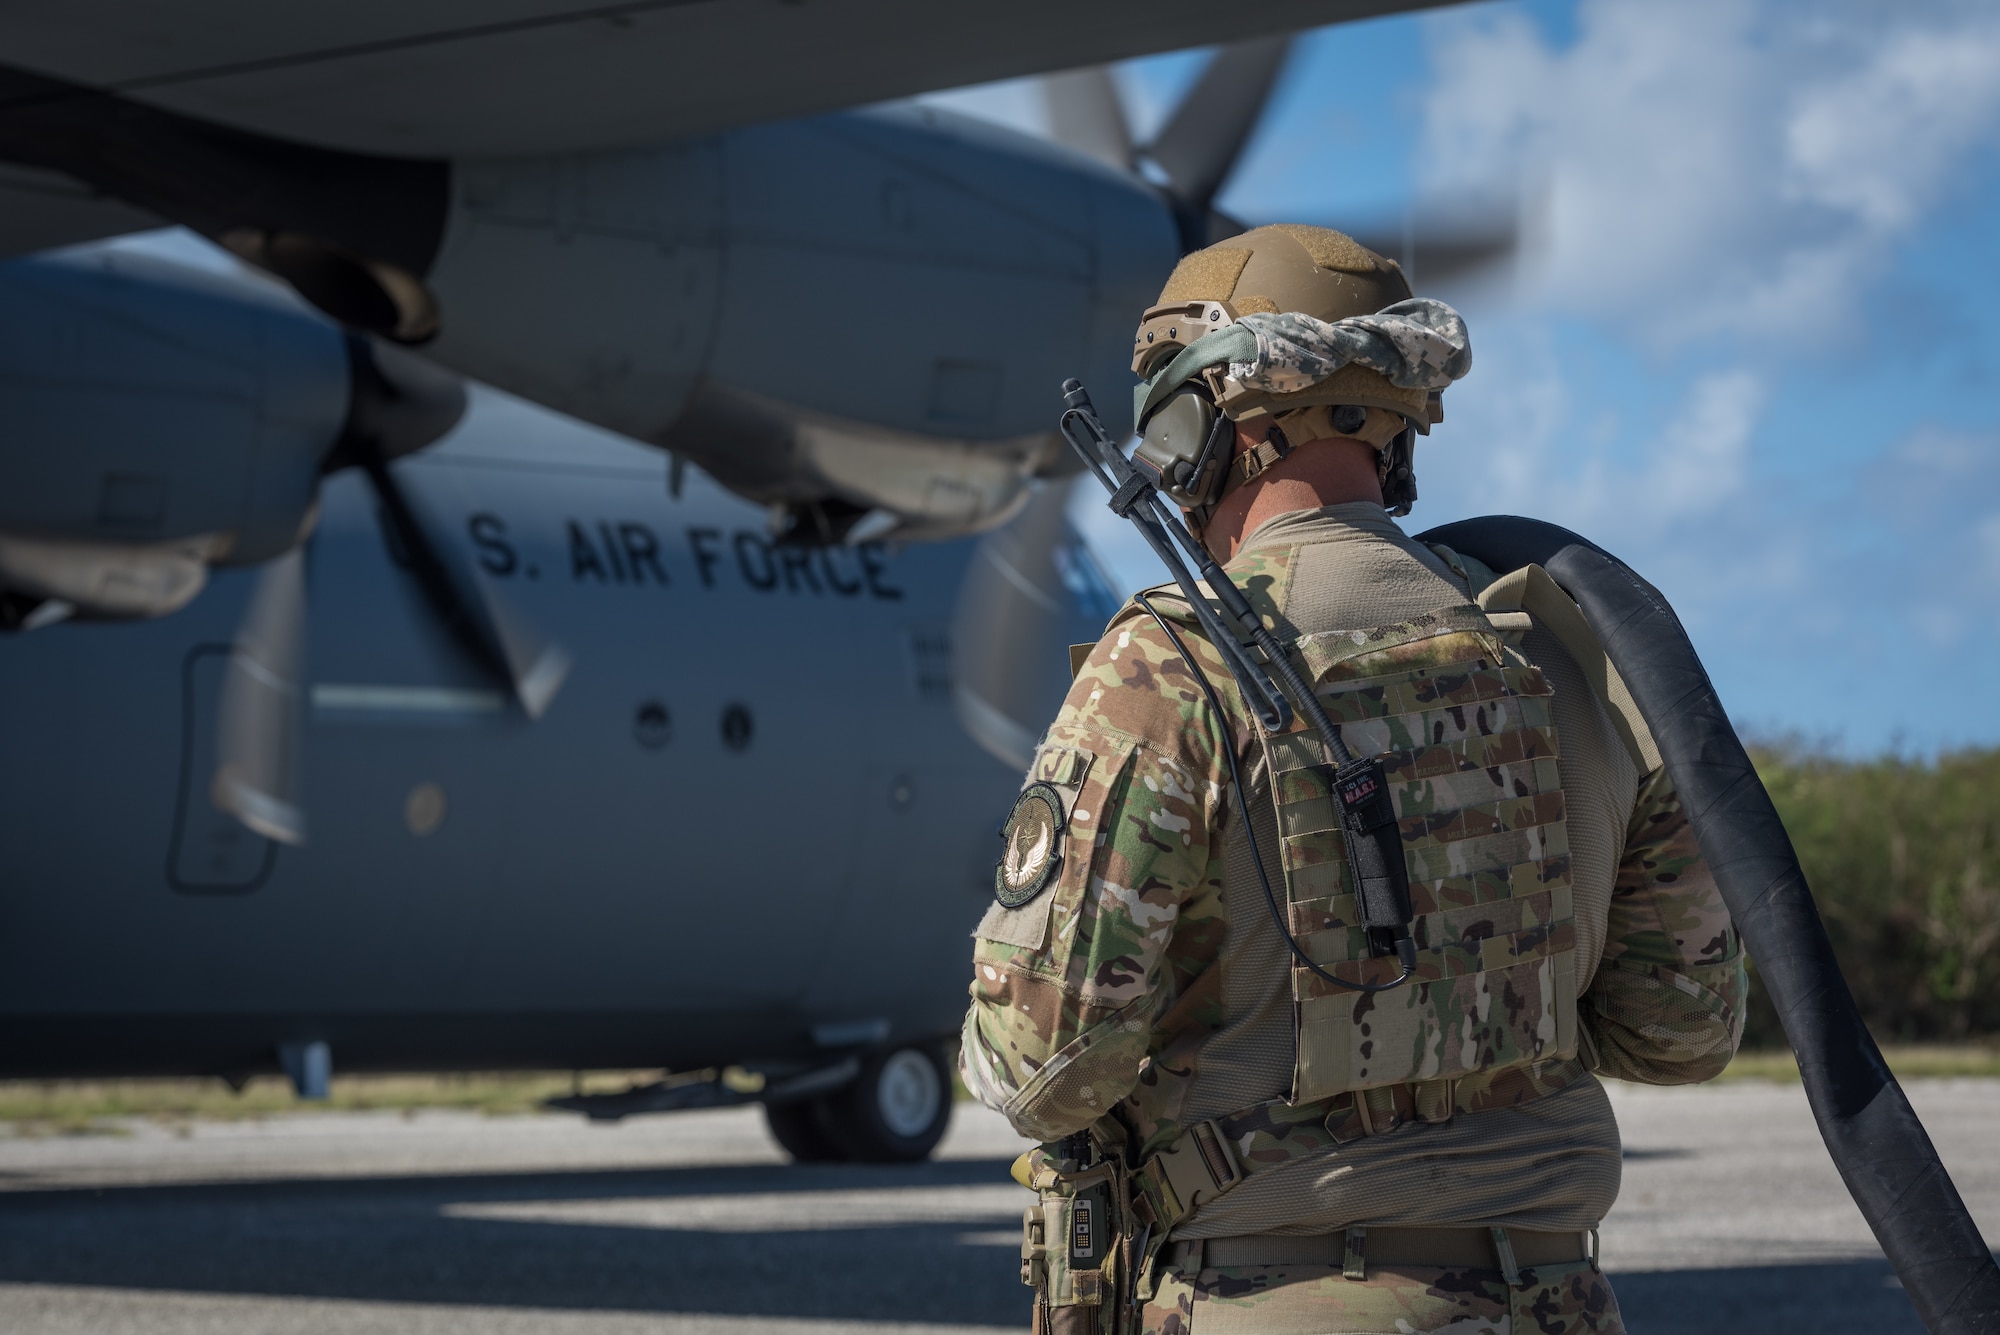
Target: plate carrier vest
1465 731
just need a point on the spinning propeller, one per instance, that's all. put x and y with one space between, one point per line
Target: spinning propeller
398 405
1194 153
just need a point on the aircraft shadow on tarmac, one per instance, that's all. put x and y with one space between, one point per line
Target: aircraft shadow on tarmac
391 1239
407 1239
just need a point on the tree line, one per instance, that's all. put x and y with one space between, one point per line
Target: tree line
1903 856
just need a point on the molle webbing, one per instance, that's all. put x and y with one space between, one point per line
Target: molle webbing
1212 1157
1465 730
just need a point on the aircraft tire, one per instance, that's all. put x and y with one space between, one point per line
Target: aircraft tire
896 1110
799 1127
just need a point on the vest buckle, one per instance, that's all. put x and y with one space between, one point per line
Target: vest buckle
1196 1168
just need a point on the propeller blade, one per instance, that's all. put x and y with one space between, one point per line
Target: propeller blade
401 404
257 748
1198 147
1444 253
1086 114
1221 226
483 619
397 403
1015 615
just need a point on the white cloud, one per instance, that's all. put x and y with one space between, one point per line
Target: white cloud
1517 446
1701 456
1937 490
1935 475
1725 191
1716 166
1988 536
1878 141
1929 505
1720 194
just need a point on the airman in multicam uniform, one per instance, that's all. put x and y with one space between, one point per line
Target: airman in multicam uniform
1234 1142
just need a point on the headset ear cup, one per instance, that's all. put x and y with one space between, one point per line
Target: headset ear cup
1185 444
1399 475
1213 467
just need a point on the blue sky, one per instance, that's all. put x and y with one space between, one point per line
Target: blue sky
1752 343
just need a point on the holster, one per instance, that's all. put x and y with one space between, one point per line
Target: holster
1077 1249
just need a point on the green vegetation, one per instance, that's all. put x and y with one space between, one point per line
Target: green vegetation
1918 1062
1903 857
78 1107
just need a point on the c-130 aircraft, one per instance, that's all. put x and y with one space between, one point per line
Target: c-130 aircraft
499 739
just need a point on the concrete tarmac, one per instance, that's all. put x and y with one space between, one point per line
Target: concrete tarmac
1731 1220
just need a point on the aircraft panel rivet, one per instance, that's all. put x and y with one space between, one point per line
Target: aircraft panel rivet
424 809
736 727
654 726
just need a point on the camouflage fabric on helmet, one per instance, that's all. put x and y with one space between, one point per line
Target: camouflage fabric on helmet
1667 1005
1571 1299
1420 343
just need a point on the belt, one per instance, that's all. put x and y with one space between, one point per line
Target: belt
1213 1156
1356 1248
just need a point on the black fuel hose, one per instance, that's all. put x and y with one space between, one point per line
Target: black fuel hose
1876 1141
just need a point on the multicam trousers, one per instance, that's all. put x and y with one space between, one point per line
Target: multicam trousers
1568 1299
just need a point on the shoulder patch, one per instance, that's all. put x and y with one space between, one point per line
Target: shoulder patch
1033 851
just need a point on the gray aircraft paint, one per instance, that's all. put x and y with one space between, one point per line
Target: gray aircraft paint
592 894
907 267
864 309
921 272
430 78
210 396
904 281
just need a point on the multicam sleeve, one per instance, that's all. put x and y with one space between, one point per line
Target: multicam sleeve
1067 988
1666 1006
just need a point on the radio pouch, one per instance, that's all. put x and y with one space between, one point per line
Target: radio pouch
1071 1243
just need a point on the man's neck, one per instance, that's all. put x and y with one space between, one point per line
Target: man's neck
1319 473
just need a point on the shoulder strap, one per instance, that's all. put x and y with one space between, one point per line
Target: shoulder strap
1168 598
1531 589
1476 573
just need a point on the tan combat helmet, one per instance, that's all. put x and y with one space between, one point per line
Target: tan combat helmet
1283 267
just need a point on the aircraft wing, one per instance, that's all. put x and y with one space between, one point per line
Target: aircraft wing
459 78
40 209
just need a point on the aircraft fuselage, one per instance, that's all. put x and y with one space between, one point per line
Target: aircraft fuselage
749 816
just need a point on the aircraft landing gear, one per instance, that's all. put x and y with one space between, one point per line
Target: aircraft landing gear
894 1111
799 1131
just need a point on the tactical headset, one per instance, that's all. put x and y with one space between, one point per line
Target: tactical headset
1184 449
1186 443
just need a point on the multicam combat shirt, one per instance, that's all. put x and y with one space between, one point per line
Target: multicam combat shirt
1144 981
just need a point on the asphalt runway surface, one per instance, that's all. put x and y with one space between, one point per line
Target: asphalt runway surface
1731 1220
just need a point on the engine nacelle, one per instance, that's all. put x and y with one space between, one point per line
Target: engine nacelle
160 418
906 284
904 272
